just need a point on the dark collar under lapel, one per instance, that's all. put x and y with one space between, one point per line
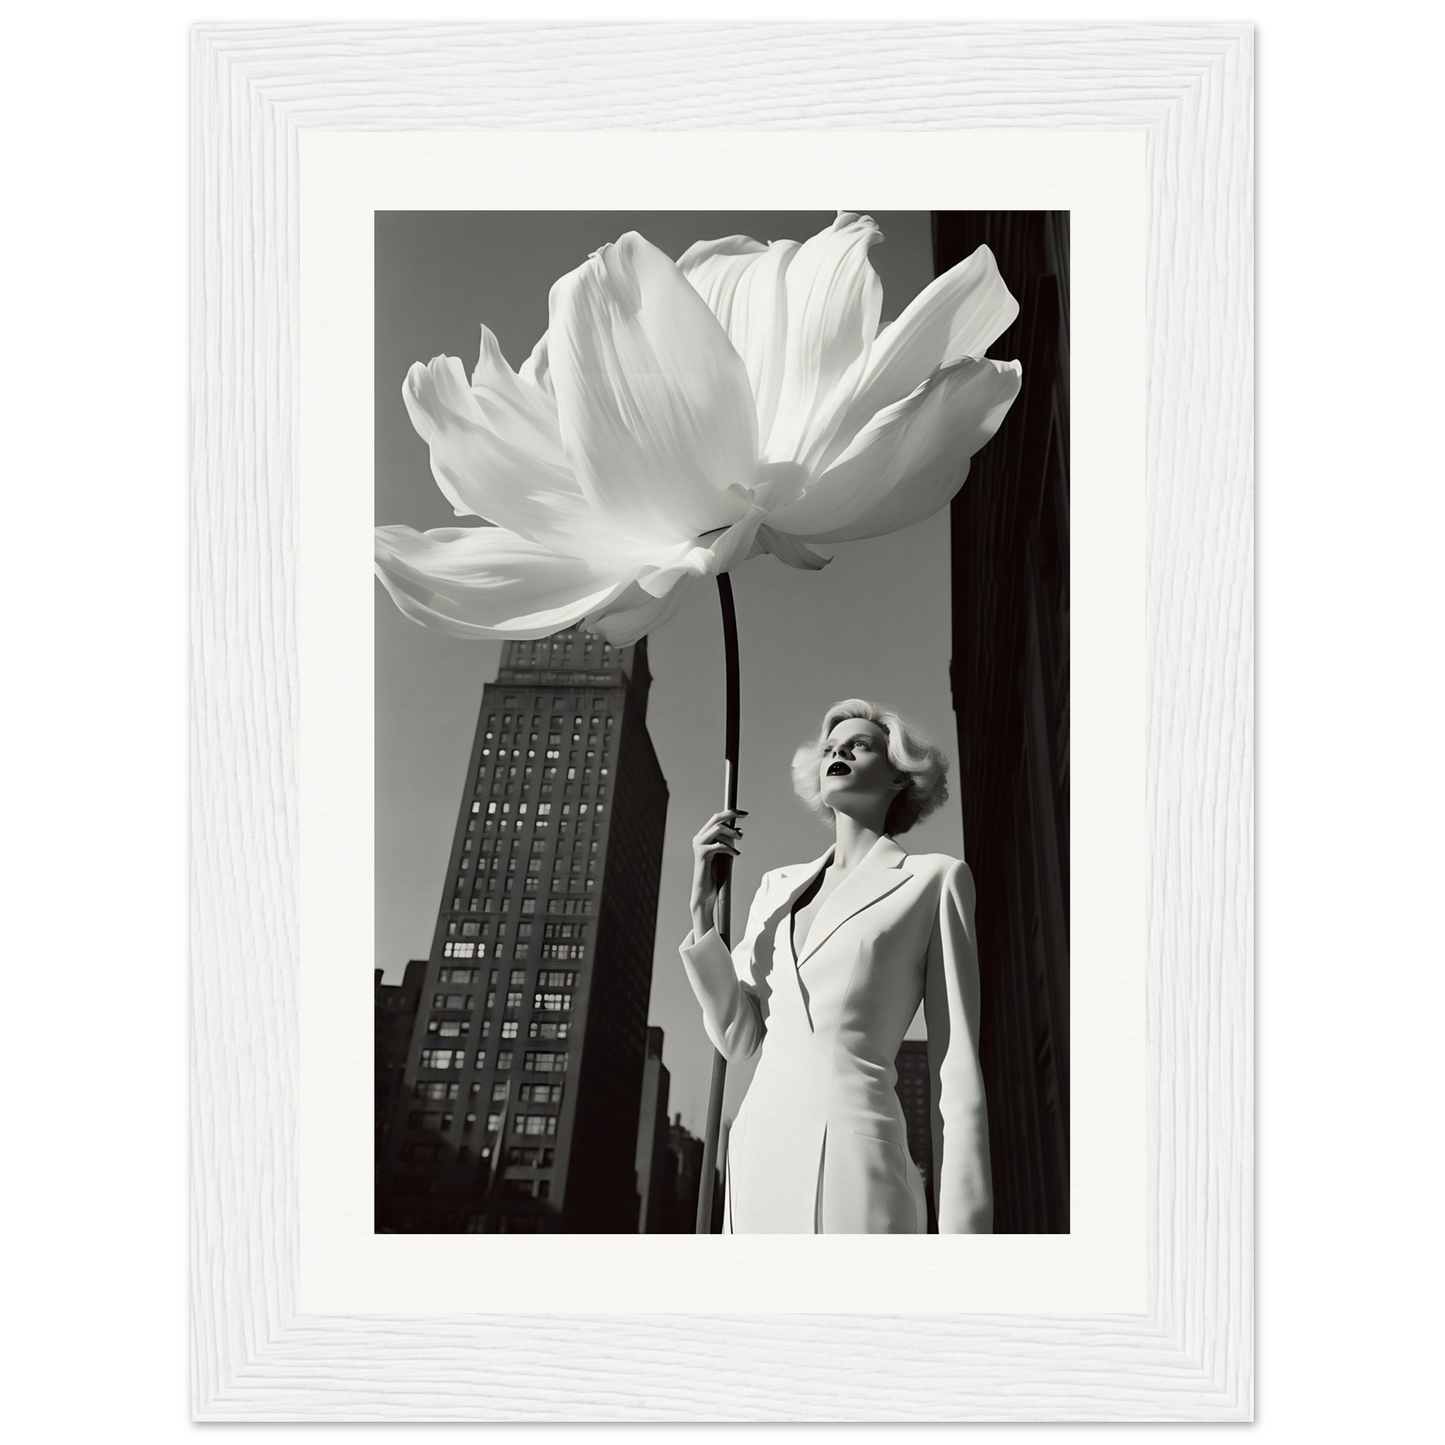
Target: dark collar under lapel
875 877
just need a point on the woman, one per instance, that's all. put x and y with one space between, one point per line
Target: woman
825 981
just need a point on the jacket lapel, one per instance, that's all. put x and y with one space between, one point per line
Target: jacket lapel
793 881
874 878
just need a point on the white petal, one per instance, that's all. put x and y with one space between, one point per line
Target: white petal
486 582
705 558
789 549
960 314
534 369
507 402
910 459
495 458
834 298
634 614
656 409
744 285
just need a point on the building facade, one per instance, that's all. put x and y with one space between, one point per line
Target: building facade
1010 673
524 1076
654 1177
913 1088
396 1006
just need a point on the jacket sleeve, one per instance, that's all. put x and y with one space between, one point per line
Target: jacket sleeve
964 1182
734 1000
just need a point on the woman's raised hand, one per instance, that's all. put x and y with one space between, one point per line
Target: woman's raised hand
717 838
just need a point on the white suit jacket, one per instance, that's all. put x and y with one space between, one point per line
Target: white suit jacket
819 1144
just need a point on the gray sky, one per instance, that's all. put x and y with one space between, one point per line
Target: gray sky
873 624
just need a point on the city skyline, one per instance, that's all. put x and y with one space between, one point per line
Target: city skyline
519 1101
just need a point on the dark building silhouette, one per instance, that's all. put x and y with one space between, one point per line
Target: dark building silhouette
524 1074
396 1005
913 1088
654 1176
1010 534
686 1151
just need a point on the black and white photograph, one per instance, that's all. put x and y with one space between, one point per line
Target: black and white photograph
722 722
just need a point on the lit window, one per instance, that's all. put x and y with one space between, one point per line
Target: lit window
509 1028
541 1094
441 1058
546 1029
504 1061
433 1089
499 1092
545 1061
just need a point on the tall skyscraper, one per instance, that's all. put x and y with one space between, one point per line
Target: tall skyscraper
653 1155
524 1076
1010 531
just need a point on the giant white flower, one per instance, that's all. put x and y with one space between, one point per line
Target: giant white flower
677 419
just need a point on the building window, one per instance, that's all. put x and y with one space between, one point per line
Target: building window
556 978
452 1000
504 1061
544 1029
433 1089
460 975
529 1157
509 1028
552 1003
471 929
564 930
441 1058
534 1124
499 1092
540 1094
564 952
545 1061
449 1028
494 1122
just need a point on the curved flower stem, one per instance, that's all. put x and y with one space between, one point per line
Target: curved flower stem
723 915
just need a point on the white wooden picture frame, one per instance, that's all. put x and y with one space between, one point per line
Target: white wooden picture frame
1186 91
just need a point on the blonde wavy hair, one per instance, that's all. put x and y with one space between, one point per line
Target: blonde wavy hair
908 752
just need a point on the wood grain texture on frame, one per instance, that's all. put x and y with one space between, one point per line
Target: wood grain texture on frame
1187 88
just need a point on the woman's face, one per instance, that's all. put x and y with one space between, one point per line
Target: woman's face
854 773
